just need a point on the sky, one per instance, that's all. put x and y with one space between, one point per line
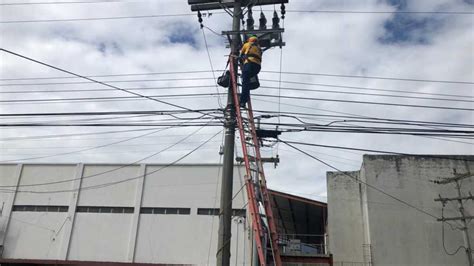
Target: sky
396 39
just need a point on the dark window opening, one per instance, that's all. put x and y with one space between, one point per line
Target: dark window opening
101 209
39 208
160 210
207 211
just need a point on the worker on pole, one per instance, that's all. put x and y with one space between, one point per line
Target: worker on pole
251 55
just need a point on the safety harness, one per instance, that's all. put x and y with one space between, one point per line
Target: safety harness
254 55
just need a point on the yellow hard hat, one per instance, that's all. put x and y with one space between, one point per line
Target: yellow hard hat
253 39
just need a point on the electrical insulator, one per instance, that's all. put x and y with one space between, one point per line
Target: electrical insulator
275 20
200 19
283 12
250 21
263 21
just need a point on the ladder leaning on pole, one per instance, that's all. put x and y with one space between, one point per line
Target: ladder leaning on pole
257 192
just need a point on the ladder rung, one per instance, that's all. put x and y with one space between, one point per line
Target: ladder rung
254 170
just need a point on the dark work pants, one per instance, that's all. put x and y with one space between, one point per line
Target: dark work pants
249 70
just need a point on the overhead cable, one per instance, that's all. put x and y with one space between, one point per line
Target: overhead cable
99 186
90 79
357 180
113 169
263 71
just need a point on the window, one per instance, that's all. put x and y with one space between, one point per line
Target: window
146 210
207 211
203 211
101 209
39 208
239 212
161 210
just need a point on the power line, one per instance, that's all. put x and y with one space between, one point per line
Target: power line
141 144
90 79
212 67
373 77
369 88
107 81
166 112
116 182
97 90
364 102
207 86
368 94
114 169
362 182
284 127
101 125
99 101
109 98
141 97
111 75
263 71
87 149
73 135
368 150
381 12
368 118
62 2
94 19
260 111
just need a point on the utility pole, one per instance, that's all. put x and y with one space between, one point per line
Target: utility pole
463 218
268 38
225 210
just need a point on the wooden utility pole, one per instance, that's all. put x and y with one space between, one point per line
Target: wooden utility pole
463 218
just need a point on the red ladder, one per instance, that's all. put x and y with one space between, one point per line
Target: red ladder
257 192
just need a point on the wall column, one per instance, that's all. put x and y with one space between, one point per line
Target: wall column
71 214
8 207
136 214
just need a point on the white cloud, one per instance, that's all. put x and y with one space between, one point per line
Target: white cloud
316 42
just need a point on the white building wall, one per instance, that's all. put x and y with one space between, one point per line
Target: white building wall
117 194
394 233
345 218
120 237
100 237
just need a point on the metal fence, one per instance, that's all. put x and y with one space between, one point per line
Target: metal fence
302 244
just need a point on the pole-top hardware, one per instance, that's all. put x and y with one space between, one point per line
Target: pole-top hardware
221 4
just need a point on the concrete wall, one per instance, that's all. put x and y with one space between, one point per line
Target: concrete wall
345 232
129 236
393 233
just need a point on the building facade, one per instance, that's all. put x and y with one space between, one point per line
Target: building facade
83 214
117 213
368 227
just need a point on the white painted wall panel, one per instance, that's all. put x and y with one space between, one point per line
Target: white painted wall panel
100 237
186 239
121 194
106 237
186 186
7 175
34 235
345 226
36 173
